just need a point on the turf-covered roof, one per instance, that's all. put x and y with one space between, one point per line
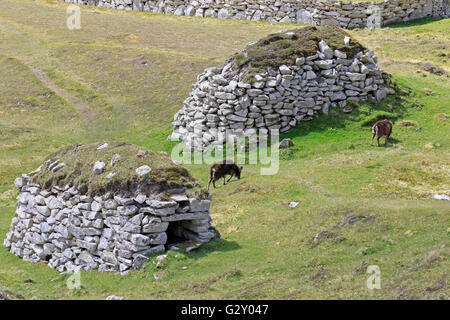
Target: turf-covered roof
283 48
78 169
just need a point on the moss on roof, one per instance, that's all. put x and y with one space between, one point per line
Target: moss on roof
283 48
80 159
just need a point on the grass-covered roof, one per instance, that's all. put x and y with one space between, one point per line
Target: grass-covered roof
79 163
283 48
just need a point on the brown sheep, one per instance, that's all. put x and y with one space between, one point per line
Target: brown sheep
221 169
382 128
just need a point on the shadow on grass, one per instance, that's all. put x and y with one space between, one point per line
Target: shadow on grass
389 144
215 245
413 23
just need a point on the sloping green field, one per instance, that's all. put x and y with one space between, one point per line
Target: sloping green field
124 75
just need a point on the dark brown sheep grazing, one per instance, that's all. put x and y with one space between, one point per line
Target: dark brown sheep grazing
381 129
221 169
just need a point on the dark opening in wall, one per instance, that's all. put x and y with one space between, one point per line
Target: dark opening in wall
177 234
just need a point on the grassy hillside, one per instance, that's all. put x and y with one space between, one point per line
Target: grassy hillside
124 75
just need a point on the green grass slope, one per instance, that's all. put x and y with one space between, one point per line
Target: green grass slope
123 76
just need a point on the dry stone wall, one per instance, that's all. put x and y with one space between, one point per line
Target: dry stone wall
336 13
277 99
72 231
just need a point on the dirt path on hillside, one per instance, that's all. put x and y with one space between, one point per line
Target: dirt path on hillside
81 107
11 29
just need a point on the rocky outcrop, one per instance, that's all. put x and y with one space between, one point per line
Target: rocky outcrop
336 13
226 98
113 231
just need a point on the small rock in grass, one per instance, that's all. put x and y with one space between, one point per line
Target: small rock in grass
428 91
99 167
286 143
161 260
141 153
103 146
323 234
440 197
293 204
143 170
59 166
113 297
347 109
53 164
110 175
114 159
408 123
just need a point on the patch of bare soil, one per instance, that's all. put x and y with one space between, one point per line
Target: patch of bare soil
427 66
351 219
407 123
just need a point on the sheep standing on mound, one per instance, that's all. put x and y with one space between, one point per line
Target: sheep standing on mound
278 82
107 207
